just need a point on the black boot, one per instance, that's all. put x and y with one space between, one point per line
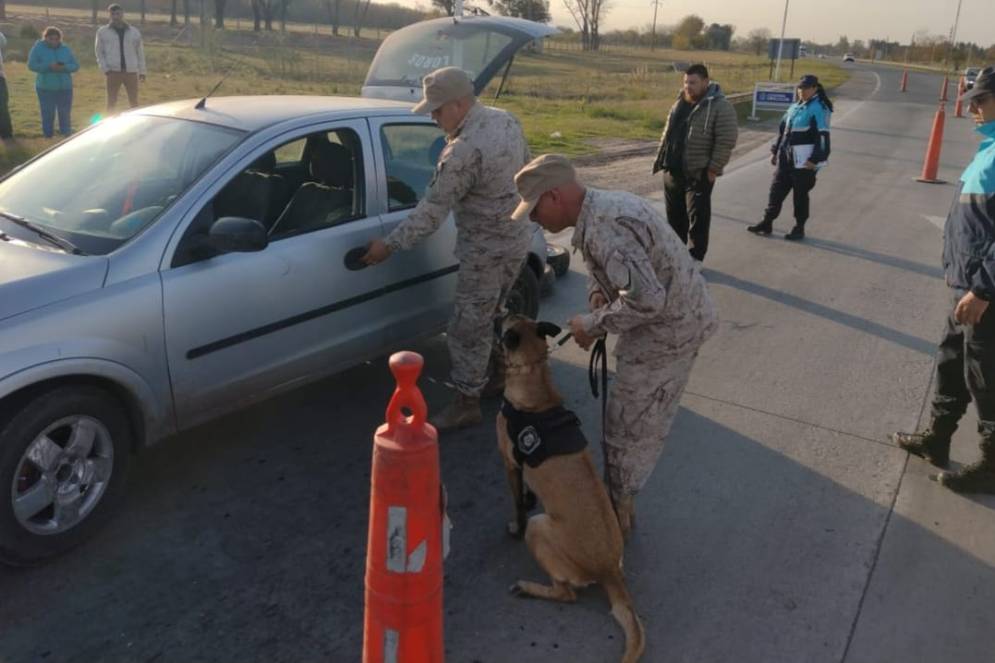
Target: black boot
978 477
798 232
933 443
765 227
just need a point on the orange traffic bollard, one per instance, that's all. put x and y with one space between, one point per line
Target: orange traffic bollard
932 162
403 622
905 81
943 89
959 106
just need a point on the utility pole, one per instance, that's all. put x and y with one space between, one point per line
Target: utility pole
953 33
780 44
656 5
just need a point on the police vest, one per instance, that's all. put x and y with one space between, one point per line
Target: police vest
537 436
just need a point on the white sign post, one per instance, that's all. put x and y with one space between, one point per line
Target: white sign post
772 96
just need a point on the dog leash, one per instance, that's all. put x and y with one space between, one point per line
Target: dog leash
597 375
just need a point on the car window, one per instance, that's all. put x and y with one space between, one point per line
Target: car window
322 188
292 152
102 187
411 152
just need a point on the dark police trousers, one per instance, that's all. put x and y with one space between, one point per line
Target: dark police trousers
965 370
689 209
790 179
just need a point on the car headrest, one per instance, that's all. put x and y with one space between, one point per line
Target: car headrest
266 163
331 164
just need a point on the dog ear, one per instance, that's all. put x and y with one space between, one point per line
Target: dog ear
511 339
544 329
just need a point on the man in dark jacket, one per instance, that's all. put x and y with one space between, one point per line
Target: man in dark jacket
965 363
696 145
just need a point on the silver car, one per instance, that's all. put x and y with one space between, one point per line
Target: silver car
185 260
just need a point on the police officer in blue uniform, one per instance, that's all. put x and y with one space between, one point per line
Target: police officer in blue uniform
801 148
965 359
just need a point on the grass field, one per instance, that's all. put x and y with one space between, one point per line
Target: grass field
566 99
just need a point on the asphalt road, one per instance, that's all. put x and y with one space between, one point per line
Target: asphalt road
780 526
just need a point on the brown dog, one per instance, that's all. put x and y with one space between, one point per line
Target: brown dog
577 540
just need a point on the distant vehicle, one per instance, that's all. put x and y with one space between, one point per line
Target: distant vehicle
822 56
849 58
970 75
802 51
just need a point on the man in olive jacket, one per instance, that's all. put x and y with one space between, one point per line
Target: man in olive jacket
696 145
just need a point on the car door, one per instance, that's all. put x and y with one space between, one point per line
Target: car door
480 45
421 281
242 326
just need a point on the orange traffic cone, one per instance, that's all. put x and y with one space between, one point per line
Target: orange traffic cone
403 622
932 163
905 81
943 89
959 106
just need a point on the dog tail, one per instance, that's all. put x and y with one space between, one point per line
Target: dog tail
625 614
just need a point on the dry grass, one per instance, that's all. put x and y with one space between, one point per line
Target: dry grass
564 98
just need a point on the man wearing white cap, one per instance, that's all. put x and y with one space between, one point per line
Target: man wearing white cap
643 286
474 178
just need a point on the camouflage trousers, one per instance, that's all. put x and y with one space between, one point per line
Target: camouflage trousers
642 402
481 293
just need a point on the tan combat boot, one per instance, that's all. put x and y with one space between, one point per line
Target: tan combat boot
461 412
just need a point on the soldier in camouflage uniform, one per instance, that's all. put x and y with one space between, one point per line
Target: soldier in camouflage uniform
474 178
646 288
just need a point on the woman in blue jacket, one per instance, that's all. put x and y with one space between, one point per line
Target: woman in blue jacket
801 148
54 64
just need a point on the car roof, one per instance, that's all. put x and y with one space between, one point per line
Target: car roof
251 113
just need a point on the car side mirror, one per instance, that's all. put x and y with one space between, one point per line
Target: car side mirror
235 234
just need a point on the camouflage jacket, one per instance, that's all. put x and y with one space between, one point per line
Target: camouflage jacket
659 301
475 178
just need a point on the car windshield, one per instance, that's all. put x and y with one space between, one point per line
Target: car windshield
101 188
407 55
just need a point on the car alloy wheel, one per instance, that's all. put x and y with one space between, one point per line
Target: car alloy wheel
62 475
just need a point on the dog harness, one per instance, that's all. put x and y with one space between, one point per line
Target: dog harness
537 436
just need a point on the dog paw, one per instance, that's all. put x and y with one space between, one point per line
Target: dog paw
516 590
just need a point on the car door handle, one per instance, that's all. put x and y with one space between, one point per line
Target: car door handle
353 259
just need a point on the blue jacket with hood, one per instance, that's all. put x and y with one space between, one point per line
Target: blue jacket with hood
969 234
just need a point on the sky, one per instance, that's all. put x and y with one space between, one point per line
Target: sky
817 20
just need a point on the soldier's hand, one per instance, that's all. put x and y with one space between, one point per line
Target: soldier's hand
580 335
970 309
376 252
597 301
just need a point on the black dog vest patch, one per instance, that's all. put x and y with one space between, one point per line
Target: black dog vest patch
536 436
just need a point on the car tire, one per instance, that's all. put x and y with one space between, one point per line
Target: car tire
558 258
63 463
524 296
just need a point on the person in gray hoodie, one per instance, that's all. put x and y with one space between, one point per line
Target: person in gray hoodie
696 144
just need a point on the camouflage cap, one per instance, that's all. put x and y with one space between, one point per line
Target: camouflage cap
539 176
442 85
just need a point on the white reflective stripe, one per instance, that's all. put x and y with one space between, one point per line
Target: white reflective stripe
447 525
416 560
397 538
391 641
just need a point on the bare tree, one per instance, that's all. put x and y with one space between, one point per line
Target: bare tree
362 6
448 6
588 14
219 14
186 12
333 7
3 10
283 14
141 8
172 14
262 13
94 5
757 40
